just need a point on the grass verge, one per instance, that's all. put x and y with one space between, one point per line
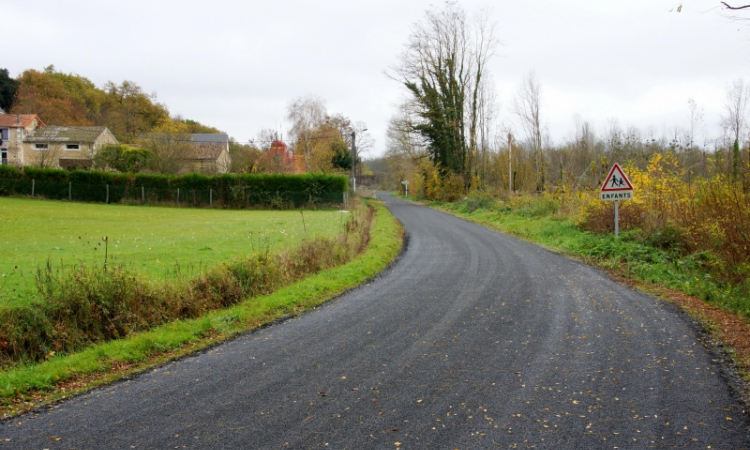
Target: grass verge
28 387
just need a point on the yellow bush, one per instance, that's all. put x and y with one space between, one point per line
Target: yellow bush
696 214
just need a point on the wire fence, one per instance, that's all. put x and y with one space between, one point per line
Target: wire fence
233 197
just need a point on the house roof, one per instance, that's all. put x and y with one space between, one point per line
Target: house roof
1 111
209 138
206 152
18 120
55 133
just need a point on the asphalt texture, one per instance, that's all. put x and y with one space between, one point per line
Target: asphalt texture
472 340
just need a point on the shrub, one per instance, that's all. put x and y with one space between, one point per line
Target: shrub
477 200
699 216
535 206
452 187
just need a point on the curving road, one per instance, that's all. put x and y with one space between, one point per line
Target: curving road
472 340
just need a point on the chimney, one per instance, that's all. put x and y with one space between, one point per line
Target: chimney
18 119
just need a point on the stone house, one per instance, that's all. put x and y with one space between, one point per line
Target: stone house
210 153
14 128
65 147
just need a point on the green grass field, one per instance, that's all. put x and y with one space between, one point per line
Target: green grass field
152 240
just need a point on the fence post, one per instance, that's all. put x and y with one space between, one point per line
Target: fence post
210 197
178 196
33 185
70 191
107 201
143 194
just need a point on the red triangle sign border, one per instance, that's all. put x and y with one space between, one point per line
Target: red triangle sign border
619 185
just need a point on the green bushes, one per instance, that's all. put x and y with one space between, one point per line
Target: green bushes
476 200
228 190
83 305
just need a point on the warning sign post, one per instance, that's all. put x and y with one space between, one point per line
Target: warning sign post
616 187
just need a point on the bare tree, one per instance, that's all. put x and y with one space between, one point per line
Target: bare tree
171 151
405 150
527 106
735 105
45 155
696 118
487 116
265 138
305 114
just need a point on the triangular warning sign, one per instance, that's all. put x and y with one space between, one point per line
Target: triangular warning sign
616 181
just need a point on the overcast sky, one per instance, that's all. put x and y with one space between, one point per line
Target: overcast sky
237 65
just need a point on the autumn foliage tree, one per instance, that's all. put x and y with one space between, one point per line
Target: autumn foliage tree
130 112
72 100
47 95
322 139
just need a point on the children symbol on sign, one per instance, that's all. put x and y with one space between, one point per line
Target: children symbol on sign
617 182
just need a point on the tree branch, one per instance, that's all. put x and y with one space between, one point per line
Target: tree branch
734 7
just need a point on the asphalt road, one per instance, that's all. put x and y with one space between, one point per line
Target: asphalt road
473 340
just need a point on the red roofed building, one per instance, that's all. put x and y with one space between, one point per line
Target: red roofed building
278 159
13 130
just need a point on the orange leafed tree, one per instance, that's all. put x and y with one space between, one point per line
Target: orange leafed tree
48 98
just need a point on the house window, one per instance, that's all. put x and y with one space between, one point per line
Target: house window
3 156
41 146
4 134
72 147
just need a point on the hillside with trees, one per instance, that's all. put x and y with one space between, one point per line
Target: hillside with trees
73 100
151 139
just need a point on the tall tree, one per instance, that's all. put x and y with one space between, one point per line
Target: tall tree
527 105
736 104
243 156
169 151
8 87
442 68
306 114
130 112
44 94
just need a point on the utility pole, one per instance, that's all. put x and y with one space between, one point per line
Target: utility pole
354 161
510 165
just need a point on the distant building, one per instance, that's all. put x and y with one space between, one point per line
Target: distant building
278 159
66 147
210 153
13 130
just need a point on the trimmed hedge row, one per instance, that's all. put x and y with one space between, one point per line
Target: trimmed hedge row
228 190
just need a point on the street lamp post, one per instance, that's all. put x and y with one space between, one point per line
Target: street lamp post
354 160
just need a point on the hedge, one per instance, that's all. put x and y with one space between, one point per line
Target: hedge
227 190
